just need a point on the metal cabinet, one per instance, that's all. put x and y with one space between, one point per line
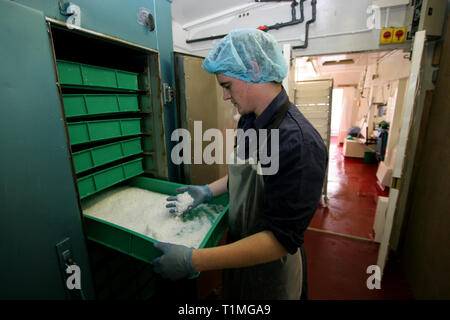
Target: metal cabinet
41 222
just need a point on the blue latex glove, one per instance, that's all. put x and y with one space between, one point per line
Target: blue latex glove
198 193
176 261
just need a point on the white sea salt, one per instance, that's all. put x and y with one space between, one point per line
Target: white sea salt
145 212
183 202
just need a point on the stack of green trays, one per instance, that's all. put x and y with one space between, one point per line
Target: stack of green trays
121 97
73 74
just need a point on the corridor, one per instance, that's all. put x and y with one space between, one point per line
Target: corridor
352 193
339 243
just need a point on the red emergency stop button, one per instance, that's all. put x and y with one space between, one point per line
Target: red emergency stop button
386 35
399 35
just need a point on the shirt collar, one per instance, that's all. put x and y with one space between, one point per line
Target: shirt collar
266 117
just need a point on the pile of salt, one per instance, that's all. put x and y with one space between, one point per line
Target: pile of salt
183 202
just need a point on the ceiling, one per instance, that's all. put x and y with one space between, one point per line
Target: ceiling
345 69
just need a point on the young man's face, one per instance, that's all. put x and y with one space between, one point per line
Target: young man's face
238 91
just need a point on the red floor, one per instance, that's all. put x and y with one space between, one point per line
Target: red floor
337 265
337 269
352 192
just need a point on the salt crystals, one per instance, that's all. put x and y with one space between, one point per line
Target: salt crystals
145 212
183 202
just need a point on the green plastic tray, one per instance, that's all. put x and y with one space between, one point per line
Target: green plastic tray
84 75
138 245
88 131
94 157
94 104
101 180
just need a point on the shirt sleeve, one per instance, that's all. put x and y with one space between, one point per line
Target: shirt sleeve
292 194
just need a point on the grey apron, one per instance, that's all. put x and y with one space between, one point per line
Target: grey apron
280 279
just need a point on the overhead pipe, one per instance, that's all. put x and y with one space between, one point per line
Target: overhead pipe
313 18
294 20
276 26
206 38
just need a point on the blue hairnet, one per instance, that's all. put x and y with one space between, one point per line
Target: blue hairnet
233 56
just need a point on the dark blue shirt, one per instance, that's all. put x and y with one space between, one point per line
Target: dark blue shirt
292 194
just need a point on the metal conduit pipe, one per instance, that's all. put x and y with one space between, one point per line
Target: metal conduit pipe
294 20
313 18
276 26
206 38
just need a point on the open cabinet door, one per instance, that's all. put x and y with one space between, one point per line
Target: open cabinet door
201 107
398 175
40 222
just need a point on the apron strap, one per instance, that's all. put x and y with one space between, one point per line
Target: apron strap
280 115
276 123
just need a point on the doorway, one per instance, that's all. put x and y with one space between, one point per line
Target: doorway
368 88
368 91
336 111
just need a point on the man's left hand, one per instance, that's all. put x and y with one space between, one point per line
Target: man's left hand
176 261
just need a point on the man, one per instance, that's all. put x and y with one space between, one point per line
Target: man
268 213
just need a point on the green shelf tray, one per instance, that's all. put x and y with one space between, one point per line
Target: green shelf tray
94 157
76 105
101 180
140 246
84 75
89 131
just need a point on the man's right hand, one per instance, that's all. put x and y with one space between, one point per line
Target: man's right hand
198 193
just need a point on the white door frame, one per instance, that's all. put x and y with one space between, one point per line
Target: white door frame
399 166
